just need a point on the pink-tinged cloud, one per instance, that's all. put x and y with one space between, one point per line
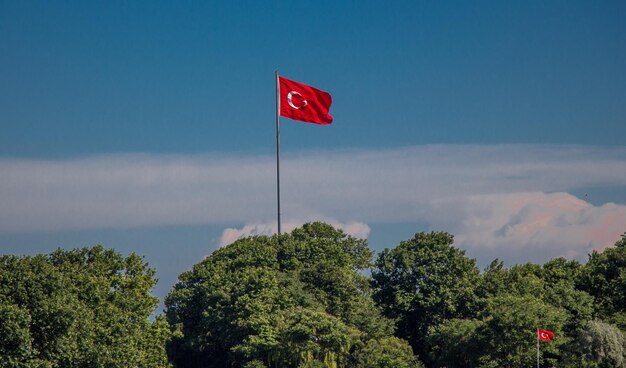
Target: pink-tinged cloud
557 224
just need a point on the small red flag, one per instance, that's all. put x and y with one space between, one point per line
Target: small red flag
304 103
545 335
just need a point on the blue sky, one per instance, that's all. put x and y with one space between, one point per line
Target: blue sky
149 126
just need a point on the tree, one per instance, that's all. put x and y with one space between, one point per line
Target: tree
423 282
512 304
457 342
508 335
82 308
305 336
554 284
493 280
604 277
297 302
560 270
387 352
560 277
602 344
16 342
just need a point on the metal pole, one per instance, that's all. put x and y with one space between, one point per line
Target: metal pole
278 151
537 347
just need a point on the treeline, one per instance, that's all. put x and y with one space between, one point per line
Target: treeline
308 300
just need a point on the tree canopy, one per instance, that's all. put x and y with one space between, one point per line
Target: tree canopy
300 302
82 308
455 316
423 282
307 300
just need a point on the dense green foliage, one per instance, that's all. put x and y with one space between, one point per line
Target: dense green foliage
306 302
604 278
601 345
422 282
81 308
454 317
297 303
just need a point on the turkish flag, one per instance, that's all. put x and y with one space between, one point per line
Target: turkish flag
545 335
304 103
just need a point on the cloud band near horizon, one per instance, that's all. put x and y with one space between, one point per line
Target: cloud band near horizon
489 196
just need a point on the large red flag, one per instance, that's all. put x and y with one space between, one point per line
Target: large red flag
545 335
304 103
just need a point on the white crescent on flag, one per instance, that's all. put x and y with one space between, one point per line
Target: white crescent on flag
290 101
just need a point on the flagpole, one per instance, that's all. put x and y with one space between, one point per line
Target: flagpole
537 347
278 150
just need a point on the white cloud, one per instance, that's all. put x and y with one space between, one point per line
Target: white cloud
491 197
229 235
